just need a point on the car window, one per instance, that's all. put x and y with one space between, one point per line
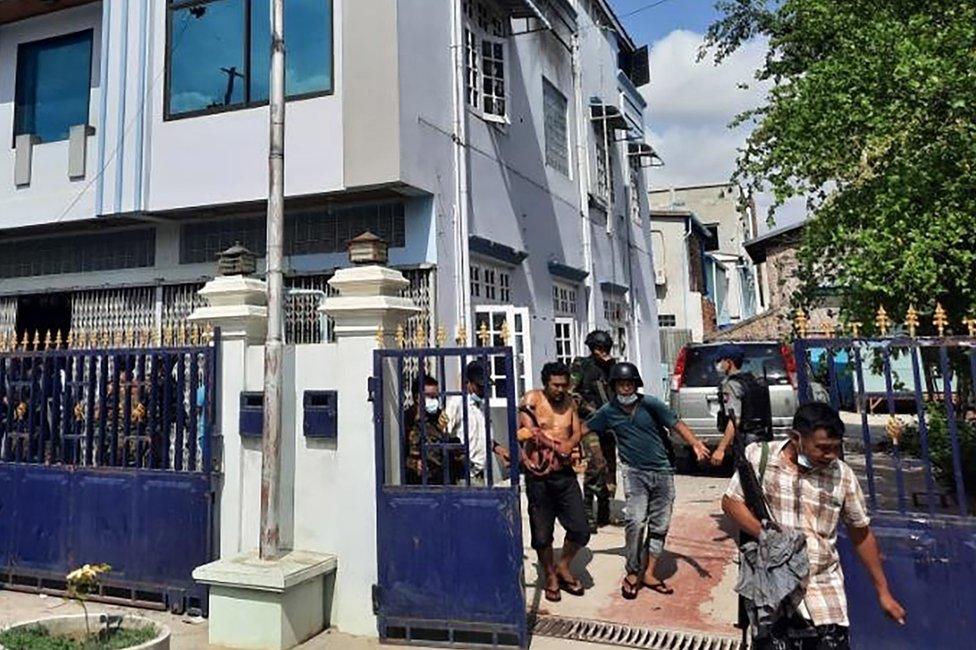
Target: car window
762 360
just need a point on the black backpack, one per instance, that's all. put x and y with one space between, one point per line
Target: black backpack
756 417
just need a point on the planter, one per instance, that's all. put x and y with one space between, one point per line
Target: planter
75 625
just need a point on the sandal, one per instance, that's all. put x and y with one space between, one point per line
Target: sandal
629 589
660 587
574 588
552 595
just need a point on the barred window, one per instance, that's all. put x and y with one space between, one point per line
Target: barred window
564 299
485 50
126 249
554 107
667 320
306 233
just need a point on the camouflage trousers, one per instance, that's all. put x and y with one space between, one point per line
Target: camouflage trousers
600 478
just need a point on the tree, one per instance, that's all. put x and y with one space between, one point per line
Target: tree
871 117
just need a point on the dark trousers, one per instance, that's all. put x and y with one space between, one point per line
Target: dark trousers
552 497
600 480
789 634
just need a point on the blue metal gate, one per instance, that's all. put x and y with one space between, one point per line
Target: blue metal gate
106 457
918 481
449 549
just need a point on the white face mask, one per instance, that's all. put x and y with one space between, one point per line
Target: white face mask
475 399
802 459
432 405
627 400
720 367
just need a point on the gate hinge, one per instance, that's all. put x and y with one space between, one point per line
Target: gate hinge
371 385
376 600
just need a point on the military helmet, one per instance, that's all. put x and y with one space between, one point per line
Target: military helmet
625 370
599 339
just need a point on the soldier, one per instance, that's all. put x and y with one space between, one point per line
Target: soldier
745 398
591 391
425 414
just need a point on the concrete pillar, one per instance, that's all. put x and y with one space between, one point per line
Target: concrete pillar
369 298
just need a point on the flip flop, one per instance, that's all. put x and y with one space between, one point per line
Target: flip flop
629 590
574 588
552 595
660 588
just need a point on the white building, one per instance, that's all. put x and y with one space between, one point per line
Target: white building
496 144
731 277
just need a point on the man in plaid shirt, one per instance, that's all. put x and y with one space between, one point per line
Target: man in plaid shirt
807 487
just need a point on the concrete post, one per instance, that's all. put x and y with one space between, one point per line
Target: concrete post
369 298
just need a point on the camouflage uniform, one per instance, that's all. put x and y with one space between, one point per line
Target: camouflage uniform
591 391
435 453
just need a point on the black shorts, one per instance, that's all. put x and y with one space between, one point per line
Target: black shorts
556 496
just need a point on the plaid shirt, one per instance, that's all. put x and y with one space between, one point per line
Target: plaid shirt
813 502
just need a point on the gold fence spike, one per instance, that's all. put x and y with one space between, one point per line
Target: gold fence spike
462 335
505 332
58 341
801 323
195 335
421 336
484 336
970 324
48 340
441 336
181 334
129 336
911 321
380 337
24 342
37 340
3 341
400 337
168 335
882 321
208 332
940 319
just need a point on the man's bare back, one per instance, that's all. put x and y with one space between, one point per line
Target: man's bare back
558 421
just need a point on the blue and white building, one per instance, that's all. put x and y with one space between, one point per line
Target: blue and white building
498 145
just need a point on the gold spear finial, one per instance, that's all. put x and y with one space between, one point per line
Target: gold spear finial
48 340
208 332
462 335
58 341
940 319
801 323
484 336
25 341
420 337
380 337
970 324
882 321
195 335
441 336
505 333
168 335
37 340
3 341
911 321
400 337
129 336
181 335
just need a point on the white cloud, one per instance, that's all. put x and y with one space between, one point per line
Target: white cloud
690 105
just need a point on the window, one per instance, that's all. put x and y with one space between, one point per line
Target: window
554 107
127 249
53 86
635 192
564 300
604 164
667 320
614 310
713 243
491 283
306 233
485 49
218 53
565 340
495 318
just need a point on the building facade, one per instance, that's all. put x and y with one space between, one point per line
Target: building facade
497 145
731 273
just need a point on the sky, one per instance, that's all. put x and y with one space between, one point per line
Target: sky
691 103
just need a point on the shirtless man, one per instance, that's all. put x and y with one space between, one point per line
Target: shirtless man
549 421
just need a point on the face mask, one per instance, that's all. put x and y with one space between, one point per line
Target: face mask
432 405
475 400
802 459
720 368
627 400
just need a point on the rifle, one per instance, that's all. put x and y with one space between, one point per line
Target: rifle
751 489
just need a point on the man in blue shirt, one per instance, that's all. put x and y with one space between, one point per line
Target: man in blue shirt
641 424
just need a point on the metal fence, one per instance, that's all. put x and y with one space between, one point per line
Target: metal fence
91 405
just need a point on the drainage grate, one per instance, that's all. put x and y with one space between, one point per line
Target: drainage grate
629 636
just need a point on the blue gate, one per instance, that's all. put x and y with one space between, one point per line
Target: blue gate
106 457
449 542
918 477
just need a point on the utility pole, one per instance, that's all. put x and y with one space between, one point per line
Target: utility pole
273 347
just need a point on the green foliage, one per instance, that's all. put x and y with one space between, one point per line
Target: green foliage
940 448
871 117
38 638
